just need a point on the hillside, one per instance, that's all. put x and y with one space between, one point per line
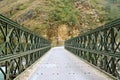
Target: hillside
37 15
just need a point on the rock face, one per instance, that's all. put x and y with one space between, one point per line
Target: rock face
62 34
34 14
26 16
90 16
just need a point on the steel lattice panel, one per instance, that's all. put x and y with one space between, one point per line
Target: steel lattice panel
19 48
101 47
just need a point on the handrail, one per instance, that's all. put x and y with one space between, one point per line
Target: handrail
15 24
19 47
100 47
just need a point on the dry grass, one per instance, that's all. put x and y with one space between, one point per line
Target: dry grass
17 10
7 5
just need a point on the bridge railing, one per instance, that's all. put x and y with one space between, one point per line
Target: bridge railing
19 48
101 47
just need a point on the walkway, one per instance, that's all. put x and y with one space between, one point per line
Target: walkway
59 64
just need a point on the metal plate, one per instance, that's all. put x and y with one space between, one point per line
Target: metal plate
59 64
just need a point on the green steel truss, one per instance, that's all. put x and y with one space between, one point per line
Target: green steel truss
100 47
19 48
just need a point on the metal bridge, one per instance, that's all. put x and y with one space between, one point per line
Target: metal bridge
96 54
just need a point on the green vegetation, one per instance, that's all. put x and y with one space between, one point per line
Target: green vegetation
22 6
46 17
64 12
112 9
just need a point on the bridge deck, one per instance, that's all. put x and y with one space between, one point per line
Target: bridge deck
59 64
